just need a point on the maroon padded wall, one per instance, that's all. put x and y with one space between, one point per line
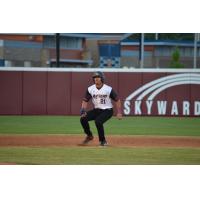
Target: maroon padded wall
10 93
80 82
34 93
59 93
129 82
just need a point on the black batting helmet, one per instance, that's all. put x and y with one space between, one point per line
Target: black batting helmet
100 75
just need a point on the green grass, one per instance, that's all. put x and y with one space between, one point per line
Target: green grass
95 155
39 124
111 156
128 126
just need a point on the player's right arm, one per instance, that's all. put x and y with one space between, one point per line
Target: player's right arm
84 103
83 108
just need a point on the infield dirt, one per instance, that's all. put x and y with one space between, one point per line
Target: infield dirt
114 141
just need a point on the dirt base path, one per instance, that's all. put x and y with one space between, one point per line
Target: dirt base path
114 141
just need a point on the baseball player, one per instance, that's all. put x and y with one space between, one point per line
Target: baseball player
101 95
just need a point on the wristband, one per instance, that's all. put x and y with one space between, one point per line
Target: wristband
82 111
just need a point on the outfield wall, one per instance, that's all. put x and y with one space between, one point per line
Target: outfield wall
53 91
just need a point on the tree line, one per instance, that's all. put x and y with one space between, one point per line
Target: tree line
164 36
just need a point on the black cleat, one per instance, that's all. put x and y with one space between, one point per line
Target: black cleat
103 143
88 139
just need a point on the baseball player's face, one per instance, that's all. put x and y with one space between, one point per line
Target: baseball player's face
97 81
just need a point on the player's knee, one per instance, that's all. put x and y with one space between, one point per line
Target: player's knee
98 123
83 119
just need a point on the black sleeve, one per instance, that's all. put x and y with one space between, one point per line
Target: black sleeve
113 95
87 96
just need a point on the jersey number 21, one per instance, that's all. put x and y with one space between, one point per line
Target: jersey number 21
102 101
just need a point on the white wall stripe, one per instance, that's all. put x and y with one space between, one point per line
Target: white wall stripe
146 92
165 78
156 92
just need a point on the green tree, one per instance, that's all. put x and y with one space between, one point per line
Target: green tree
175 63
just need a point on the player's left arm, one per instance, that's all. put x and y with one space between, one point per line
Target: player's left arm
119 109
114 96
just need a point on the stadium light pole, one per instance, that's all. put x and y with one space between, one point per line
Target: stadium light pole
156 36
141 52
198 37
195 51
58 49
